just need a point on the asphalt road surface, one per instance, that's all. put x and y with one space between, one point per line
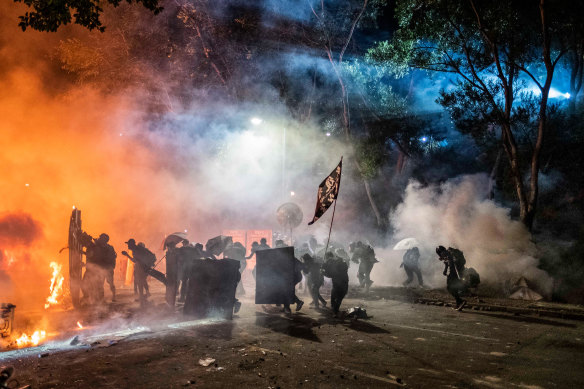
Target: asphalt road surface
401 345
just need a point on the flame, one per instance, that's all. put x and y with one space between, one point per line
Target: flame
56 285
32 340
79 325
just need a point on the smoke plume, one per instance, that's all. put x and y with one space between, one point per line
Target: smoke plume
458 214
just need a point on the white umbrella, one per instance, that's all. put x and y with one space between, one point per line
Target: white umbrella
406 244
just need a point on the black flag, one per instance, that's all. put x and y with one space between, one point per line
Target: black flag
328 190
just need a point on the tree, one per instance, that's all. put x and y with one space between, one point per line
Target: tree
497 51
335 24
50 15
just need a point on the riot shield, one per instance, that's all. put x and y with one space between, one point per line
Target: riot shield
75 257
275 276
211 288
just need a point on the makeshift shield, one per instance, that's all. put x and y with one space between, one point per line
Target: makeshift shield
174 238
75 257
275 276
211 288
217 244
156 275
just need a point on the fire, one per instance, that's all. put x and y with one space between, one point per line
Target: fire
79 325
32 340
56 285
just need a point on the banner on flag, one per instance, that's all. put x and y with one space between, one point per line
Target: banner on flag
328 190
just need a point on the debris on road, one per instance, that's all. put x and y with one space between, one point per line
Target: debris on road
357 312
206 362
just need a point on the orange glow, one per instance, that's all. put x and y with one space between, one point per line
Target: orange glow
56 289
79 325
32 340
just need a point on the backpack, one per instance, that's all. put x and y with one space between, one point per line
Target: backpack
471 278
459 260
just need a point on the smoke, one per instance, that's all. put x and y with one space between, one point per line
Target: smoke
203 168
18 229
457 214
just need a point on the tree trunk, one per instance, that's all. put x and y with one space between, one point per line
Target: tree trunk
576 76
380 220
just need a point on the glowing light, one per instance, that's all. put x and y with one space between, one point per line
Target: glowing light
32 340
26 185
292 193
424 139
256 121
79 325
73 207
56 285
121 134
186 231
328 134
555 94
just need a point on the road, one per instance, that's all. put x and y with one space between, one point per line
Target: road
401 345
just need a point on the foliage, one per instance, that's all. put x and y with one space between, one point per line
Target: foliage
47 15
496 51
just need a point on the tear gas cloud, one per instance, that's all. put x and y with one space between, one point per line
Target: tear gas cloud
201 166
458 214
202 169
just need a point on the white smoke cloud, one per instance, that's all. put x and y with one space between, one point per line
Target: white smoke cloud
458 214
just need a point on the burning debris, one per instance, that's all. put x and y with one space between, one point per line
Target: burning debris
56 289
35 339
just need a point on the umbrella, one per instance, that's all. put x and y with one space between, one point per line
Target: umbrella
217 244
406 244
174 238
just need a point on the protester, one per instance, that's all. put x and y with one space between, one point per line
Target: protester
454 262
411 265
337 270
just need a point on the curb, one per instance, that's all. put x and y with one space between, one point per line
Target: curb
547 312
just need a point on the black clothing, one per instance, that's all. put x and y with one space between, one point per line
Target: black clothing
412 266
172 264
237 252
298 268
337 269
187 257
144 259
365 256
100 260
314 280
453 268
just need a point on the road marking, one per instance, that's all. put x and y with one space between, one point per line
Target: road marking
437 331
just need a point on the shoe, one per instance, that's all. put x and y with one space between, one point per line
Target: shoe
299 305
236 306
287 310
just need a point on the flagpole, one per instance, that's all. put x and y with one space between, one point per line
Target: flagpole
330 229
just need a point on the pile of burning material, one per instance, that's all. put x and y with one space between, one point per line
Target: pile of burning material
6 319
